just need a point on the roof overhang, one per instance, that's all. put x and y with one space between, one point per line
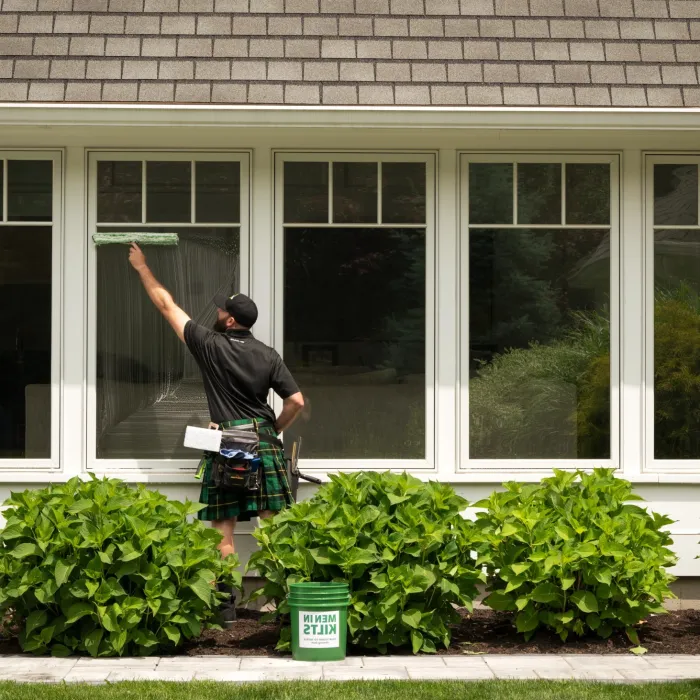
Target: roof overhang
65 114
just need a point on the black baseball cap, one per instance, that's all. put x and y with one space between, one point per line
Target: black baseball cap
241 307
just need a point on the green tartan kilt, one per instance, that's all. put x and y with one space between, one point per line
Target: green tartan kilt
274 493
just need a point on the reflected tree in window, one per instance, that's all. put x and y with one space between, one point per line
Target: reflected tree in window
539 330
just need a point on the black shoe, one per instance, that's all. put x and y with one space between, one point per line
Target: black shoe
227 608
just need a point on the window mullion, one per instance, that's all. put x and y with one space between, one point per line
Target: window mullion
379 192
4 190
143 191
515 194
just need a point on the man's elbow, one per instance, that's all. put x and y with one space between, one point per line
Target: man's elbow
296 401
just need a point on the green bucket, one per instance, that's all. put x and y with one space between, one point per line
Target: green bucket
319 613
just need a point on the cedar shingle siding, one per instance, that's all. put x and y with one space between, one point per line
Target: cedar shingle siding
619 53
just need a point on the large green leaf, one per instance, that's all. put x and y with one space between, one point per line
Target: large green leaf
411 618
585 601
500 601
35 619
62 571
26 549
77 610
527 620
416 641
546 593
92 641
173 633
201 588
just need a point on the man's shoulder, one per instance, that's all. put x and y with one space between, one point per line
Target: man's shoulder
262 347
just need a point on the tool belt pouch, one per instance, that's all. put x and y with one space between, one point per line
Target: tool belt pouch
236 475
237 465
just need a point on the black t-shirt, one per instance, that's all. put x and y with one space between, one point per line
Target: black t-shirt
238 373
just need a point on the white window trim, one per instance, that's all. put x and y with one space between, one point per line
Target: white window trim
429 464
52 463
147 468
497 466
653 465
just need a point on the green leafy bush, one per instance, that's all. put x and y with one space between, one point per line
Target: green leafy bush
102 568
573 555
401 544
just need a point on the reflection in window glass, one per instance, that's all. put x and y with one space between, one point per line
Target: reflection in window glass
168 191
675 195
218 192
587 193
403 193
149 387
677 344
354 324
539 193
25 342
2 189
306 193
119 191
29 190
355 193
491 193
539 344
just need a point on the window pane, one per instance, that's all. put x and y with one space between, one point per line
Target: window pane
168 191
587 193
676 195
539 345
490 193
2 189
355 193
403 193
306 193
149 387
354 323
677 345
539 193
29 188
218 196
119 194
25 342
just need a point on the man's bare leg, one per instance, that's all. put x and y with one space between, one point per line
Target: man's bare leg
265 514
226 547
226 528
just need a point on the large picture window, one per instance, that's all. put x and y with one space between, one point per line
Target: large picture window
29 311
147 387
356 249
539 254
673 379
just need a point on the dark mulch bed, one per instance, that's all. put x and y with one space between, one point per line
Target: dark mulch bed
482 632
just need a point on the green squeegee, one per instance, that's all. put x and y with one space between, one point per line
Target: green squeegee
140 238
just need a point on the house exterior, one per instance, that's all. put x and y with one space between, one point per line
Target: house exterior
471 228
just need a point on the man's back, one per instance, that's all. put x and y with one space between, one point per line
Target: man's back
238 372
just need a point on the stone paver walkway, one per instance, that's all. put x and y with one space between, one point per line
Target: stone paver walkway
617 669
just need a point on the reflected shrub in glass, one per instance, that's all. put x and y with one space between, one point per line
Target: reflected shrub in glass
538 317
539 333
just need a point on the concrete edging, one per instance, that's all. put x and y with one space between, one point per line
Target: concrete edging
605 668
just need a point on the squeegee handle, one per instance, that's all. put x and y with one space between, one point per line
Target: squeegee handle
306 477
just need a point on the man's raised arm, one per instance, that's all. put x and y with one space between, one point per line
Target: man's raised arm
158 294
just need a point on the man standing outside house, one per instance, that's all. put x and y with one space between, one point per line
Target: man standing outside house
238 373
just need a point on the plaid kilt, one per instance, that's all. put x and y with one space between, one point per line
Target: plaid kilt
274 493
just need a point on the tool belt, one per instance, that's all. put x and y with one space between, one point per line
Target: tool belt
238 465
